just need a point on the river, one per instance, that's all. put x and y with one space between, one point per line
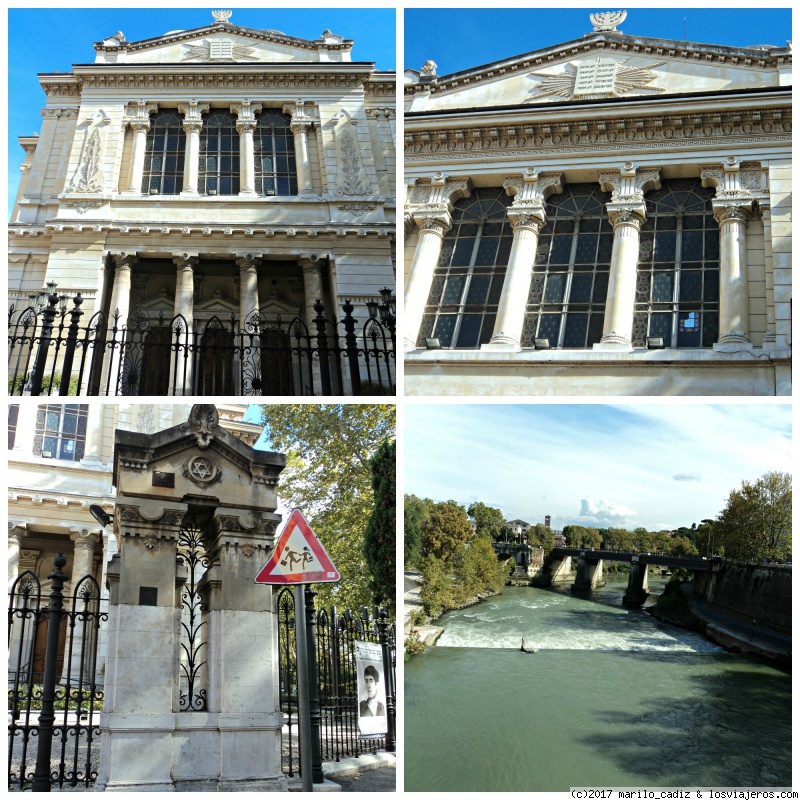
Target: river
611 698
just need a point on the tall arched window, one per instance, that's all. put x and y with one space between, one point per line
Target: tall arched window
274 151
164 154
567 298
677 289
219 154
466 287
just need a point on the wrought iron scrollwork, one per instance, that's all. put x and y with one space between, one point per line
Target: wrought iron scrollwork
192 551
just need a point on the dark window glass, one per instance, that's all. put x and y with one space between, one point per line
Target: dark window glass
164 154
13 414
273 142
219 154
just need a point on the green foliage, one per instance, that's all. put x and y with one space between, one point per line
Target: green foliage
476 569
328 476
418 616
414 645
489 521
379 538
51 384
578 536
444 529
539 535
682 546
437 590
414 513
756 523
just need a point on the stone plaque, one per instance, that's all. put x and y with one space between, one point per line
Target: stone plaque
596 77
221 50
166 480
148 596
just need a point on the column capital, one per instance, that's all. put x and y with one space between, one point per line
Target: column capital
439 191
309 261
247 259
530 216
437 222
301 111
83 537
137 114
734 179
16 530
533 186
245 110
301 125
630 182
626 213
192 114
185 260
124 259
728 210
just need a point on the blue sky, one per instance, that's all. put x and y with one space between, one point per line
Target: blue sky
37 43
654 465
458 39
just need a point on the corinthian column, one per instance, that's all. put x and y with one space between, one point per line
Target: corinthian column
82 565
246 125
734 312
139 120
192 123
302 121
732 207
527 216
626 211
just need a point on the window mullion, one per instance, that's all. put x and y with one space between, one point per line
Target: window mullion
568 281
677 282
465 290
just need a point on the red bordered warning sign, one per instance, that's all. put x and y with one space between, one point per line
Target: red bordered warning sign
299 556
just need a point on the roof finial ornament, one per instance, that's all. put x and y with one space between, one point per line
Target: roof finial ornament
221 16
607 20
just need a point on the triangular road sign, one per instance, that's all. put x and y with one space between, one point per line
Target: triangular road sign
298 557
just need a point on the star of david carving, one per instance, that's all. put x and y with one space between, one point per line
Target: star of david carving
201 469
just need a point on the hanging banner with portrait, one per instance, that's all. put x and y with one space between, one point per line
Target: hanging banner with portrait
371 689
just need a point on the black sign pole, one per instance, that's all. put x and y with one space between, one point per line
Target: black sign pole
303 705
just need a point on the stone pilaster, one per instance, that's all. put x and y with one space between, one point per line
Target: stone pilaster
118 315
528 217
16 532
626 212
303 119
181 377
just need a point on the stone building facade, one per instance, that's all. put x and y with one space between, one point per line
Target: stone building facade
217 174
606 216
60 461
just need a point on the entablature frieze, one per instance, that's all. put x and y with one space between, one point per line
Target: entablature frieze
747 126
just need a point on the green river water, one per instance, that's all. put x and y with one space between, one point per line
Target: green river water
611 698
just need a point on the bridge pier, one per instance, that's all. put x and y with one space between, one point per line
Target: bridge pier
556 569
589 574
636 593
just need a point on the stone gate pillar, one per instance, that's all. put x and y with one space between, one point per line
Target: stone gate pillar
192 700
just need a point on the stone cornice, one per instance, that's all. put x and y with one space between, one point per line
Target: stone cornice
718 55
667 130
229 28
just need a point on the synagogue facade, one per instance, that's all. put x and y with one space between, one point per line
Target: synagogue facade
606 216
224 177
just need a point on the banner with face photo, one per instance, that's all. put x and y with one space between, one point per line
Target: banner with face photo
371 689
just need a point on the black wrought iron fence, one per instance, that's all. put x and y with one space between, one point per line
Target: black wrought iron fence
334 701
148 354
54 696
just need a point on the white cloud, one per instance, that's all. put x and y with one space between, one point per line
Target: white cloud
606 512
686 476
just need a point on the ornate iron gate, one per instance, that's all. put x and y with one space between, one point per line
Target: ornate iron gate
334 701
54 697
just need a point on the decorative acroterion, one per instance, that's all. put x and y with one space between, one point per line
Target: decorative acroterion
221 16
607 20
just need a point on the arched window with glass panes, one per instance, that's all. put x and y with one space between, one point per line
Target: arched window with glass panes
164 154
468 279
567 298
273 142
677 289
218 172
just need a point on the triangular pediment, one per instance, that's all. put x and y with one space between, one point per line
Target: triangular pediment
222 43
599 67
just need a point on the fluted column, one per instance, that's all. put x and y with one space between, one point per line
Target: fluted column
527 217
303 117
246 125
192 124
734 312
418 285
181 374
626 211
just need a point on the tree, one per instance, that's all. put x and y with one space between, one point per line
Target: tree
620 539
489 520
682 546
756 523
540 535
578 536
415 510
445 528
379 537
328 450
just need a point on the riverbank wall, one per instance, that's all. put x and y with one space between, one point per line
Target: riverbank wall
756 593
